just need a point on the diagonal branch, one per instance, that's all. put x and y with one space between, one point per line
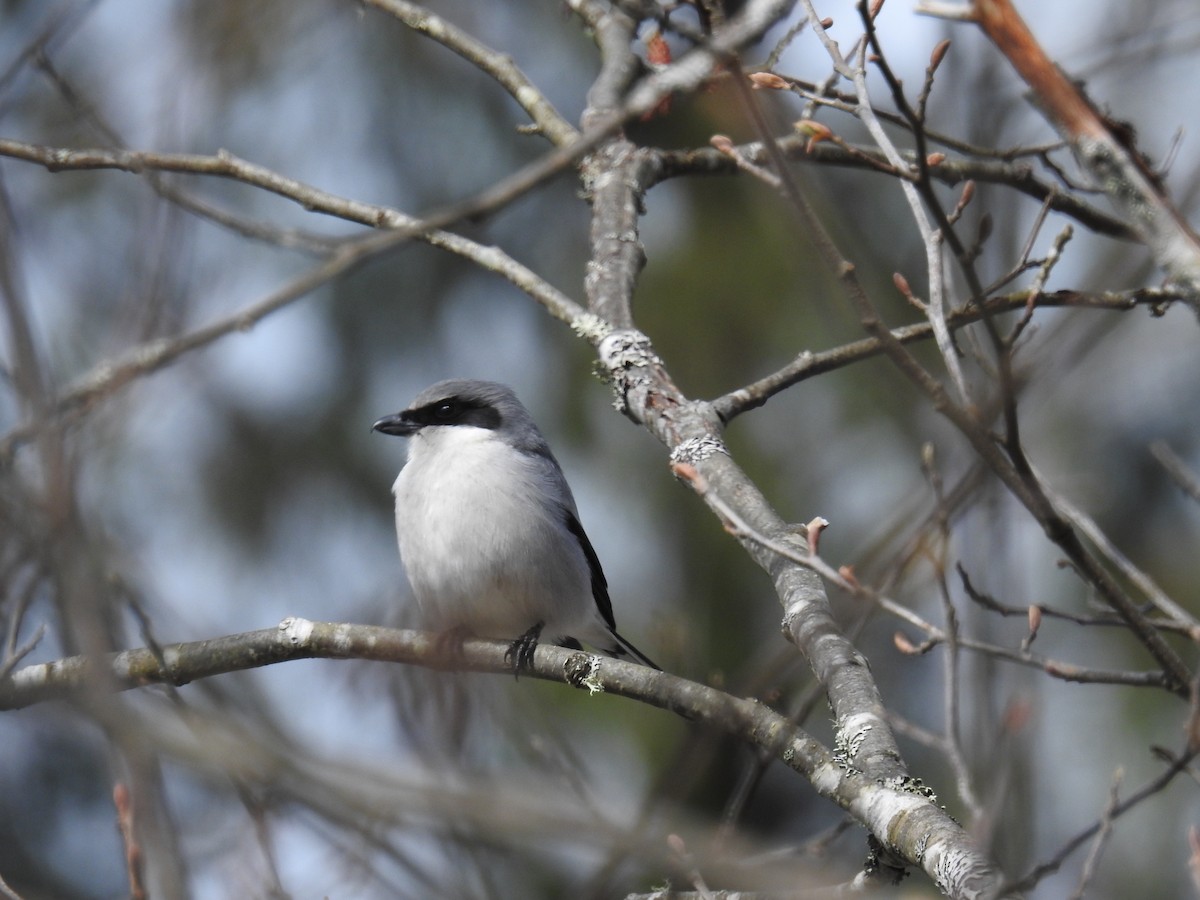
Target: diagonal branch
1103 147
619 175
1008 463
499 66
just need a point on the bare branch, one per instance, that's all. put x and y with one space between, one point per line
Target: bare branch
69 577
1101 146
738 527
1101 839
952 684
1177 469
1009 464
1111 813
109 377
809 364
951 171
893 809
1156 595
499 66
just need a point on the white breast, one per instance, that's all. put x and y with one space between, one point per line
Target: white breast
484 543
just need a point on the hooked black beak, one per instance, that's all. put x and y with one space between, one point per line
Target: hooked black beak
397 425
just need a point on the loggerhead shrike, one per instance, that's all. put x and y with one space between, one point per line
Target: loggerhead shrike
488 529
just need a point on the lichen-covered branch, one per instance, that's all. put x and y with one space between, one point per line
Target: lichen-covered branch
616 177
902 814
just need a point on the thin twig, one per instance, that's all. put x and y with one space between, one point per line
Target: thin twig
737 526
111 376
1142 580
1177 469
1101 840
951 683
809 364
1030 880
1102 620
135 861
1008 463
290 238
13 656
1100 147
65 20
932 237
498 66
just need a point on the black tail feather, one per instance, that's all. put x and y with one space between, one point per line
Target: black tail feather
624 648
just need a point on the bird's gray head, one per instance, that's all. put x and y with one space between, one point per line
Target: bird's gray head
463 402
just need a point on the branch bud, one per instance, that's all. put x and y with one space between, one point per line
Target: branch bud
688 473
815 132
938 54
904 645
847 573
658 51
1035 622
968 194
985 228
722 143
768 81
814 528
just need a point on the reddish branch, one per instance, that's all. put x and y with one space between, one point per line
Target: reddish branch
1103 147
1060 99
134 862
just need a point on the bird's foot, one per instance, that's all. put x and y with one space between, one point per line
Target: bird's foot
520 652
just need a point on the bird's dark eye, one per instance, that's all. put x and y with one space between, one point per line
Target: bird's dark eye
447 410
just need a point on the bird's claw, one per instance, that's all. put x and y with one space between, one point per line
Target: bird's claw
520 652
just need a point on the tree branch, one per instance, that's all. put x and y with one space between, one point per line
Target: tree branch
950 171
901 813
499 66
808 364
1102 147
